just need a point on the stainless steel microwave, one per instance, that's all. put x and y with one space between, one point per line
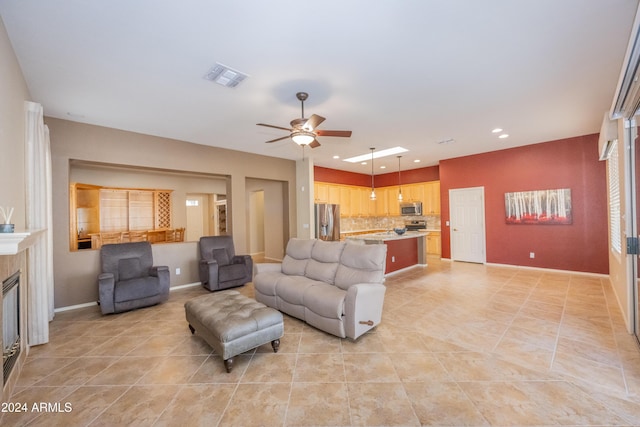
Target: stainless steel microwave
411 208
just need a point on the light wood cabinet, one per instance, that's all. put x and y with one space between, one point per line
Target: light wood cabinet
382 204
392 200
334 194
414 193
321 192
345 201
431 203
355 201
434 243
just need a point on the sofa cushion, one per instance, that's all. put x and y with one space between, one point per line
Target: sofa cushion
325 300
361 264
220 255
292 288
134 289
266 282
297 255
231 272
130 268
324 261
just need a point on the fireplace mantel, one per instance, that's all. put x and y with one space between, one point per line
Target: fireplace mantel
14 243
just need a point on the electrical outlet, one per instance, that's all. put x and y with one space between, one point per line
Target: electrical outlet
393 258
532 255
177 271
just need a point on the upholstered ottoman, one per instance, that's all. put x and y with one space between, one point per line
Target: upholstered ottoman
232 323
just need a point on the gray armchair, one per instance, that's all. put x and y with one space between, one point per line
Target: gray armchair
128 279
219 267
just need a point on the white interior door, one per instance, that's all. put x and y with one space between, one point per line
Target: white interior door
466 207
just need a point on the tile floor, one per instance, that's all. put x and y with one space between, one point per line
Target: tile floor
460 344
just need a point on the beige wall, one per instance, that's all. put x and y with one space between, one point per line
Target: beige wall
76 272
14 92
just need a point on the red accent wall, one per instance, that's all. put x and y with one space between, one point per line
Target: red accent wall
411 176
405 252
341 177
568 163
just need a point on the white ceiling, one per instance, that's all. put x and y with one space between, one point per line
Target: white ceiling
403 72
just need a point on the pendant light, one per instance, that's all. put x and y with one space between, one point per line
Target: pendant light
399 187
373 190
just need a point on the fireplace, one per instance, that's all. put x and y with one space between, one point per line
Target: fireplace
10 323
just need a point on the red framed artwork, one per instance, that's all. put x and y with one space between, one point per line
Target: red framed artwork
539 207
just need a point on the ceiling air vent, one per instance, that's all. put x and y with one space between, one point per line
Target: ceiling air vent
225 76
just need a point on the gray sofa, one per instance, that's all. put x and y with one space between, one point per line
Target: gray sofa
335 286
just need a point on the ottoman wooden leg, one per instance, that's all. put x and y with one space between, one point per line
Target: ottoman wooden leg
229 364
276 345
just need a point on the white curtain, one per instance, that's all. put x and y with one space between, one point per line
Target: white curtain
39 216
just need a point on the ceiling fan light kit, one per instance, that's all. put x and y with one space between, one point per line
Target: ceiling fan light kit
303 137
303 131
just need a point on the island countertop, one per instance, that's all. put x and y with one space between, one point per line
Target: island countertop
388 235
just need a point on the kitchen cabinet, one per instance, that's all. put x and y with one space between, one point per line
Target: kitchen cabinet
367 206
334 194
354 200
431 203
345 201
414 193
434 243
321 192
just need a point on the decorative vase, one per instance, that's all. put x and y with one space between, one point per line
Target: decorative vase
6 228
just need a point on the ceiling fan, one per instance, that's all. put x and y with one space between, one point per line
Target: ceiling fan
303 131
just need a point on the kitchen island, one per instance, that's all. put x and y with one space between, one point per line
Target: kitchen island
403 251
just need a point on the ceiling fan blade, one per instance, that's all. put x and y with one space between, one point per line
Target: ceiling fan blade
313 122
342 133
314 144
278 139
275 127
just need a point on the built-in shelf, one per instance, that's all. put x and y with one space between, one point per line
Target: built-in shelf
14 243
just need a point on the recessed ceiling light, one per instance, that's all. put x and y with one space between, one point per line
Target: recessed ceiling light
416 161
336 157
377 154
496 130
383 167
363 163
504 135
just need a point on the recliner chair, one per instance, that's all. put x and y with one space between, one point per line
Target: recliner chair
219 267
128 279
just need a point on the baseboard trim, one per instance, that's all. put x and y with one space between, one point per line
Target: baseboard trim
402 270
551 270
74 307
91 304
185 286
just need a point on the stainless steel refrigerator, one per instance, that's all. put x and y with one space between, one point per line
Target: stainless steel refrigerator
327 221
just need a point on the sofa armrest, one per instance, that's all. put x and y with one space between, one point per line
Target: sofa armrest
266 266
363 308
164 277
106 292
241 259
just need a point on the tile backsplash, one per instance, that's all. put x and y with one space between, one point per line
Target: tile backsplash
355 223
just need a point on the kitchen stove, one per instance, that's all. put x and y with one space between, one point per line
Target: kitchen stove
416 225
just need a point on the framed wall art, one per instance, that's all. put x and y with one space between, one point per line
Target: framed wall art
539 207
